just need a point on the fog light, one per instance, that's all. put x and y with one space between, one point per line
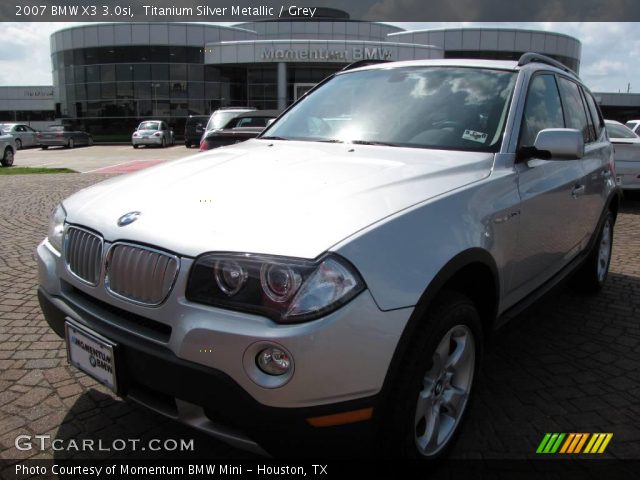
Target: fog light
274 361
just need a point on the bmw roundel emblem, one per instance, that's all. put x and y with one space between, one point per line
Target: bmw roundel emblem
128 218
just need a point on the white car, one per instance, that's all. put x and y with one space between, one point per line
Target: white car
24 135
7 149
627 154
634 126
153 133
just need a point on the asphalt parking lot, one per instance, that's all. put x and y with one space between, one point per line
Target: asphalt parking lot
571 363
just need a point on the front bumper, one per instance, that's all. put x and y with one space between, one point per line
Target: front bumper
206 398
628 175
340 361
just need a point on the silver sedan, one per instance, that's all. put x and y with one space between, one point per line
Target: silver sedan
24 135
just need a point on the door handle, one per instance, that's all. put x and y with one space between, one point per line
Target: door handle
577 191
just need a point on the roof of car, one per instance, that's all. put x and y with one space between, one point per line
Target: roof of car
444 62
260 113
510 65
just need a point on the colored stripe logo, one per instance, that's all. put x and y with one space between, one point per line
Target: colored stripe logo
574 443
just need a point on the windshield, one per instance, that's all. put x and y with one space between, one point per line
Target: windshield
429 107
149 126
219 119
616 130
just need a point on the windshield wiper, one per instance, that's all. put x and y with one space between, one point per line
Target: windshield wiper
272 138
370 142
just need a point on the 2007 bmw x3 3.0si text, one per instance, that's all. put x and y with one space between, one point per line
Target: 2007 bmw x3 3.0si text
335 277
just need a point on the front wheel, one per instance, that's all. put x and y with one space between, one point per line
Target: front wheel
592 275
164 143
7 158
70 143
431 394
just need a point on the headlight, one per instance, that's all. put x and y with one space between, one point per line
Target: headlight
287 290
56 227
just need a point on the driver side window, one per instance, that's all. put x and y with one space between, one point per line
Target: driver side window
542 109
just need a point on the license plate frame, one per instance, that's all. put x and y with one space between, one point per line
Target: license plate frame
91 353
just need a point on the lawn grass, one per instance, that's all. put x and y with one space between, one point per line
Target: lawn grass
29 170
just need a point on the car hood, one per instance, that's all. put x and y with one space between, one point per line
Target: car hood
281 197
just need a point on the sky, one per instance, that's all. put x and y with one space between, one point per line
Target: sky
610 50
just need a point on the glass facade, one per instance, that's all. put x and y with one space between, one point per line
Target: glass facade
24 116
109 90
109 77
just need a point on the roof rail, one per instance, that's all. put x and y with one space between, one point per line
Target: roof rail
363 63
538 57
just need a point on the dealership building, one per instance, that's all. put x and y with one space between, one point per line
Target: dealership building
108 77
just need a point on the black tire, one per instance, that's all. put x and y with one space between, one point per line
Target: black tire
187 144
454 316
136 146
18 144
70 143
591 277
90 142
7 157
164 143
44 147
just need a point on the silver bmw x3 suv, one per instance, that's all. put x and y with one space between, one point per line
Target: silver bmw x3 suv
334 278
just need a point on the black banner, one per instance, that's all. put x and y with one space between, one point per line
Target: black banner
304 10
321 469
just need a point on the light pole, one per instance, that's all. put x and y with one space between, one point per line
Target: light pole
155 99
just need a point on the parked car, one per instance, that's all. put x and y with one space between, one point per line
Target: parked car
634 126
221 117
243 127
193 129
24 135
63 136
153 132
7 149
627 154
329 284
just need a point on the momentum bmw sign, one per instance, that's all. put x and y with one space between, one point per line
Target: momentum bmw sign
339 55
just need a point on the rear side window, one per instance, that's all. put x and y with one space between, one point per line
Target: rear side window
574 110
598 121
542 109
632 125
616 130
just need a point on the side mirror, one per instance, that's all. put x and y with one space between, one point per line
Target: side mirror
270 121
560 143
